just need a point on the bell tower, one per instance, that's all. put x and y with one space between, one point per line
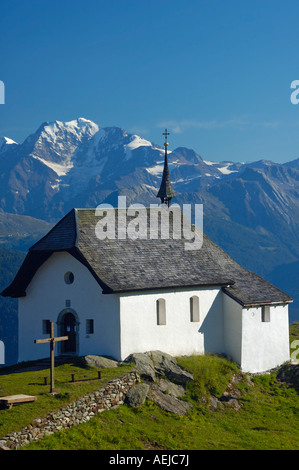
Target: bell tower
166 193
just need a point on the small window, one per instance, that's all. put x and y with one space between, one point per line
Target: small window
194 309
161 312
69 278
46 327
89 327
265 313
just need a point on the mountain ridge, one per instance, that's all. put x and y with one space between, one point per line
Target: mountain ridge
62 159
248 207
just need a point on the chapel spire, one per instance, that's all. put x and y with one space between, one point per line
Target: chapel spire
166 193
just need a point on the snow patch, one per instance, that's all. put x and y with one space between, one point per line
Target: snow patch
225 171
176 163
187 179
8 141
5 142
155 170
148 186
59 169
161 150
138 142
135 143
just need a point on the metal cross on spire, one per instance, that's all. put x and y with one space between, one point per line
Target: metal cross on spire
166 134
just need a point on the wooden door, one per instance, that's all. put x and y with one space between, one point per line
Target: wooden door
69 329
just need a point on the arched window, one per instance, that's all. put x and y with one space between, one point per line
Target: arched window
265 313
194 309
161 312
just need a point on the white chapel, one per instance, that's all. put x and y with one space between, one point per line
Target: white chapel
115 296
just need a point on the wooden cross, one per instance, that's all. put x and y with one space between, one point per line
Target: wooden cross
52 341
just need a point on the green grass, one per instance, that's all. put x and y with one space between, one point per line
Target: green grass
211 375
294 331
267 420
31 383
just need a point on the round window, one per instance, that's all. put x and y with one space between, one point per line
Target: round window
69 278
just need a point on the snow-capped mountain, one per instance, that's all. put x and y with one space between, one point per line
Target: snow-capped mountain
250 209
79 164
55 143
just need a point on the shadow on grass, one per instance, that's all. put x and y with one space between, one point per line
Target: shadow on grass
44 363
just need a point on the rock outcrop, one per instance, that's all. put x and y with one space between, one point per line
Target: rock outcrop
170 388
137 395
157 363
231 396
101 362
166 380
168 402
143 364
289 373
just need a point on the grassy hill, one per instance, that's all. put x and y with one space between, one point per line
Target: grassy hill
21 231
267 419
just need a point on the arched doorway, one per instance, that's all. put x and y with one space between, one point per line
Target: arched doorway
68 325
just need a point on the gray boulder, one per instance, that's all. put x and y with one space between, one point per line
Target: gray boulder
101 362
143 364
167 366
231 402
169 387
159 357
214 403
137 395
150 363
168 402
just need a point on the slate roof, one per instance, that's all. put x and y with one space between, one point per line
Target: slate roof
126 265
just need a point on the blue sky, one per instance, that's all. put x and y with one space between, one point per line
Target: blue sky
216 73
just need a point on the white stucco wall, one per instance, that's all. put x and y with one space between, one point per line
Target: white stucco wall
140 332
256 346
265 345
46 298
127 323
232 311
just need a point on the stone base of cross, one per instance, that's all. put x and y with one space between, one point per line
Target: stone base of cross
52 341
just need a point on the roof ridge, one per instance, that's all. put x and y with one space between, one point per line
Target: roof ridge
64 241
76 227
